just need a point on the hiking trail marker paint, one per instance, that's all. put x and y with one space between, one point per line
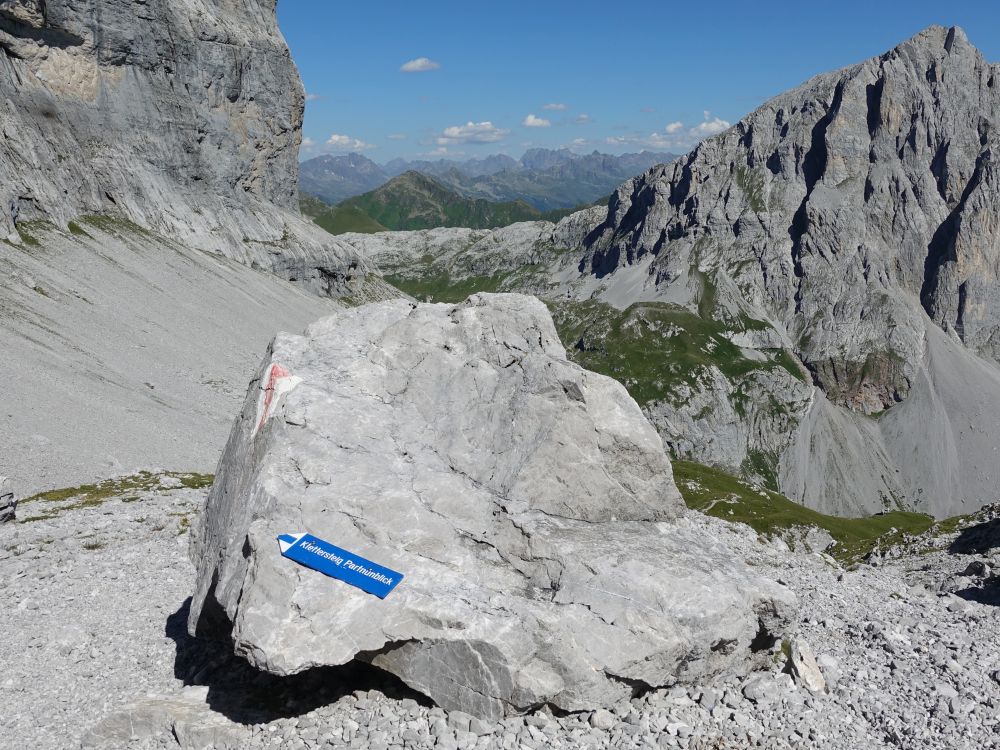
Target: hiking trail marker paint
335 562
273 388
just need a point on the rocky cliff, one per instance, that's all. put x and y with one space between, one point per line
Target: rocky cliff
857 216
820 287
139 143
182 116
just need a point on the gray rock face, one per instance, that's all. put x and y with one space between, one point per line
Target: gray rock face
850 213
8 505
847 223
182 116
527 502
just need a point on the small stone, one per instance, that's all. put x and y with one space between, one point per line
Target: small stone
602 719
803 667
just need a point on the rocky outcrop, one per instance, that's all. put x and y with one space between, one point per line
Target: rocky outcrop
182 116
527 502
8 505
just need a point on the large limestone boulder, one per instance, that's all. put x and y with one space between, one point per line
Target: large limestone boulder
528 503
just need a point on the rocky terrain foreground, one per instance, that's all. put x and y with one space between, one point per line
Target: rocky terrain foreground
96 651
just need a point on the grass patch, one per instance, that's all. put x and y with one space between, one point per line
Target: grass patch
653 347
112 224
93 546
343 219
769 513
76 230
442 288
29 240
92 495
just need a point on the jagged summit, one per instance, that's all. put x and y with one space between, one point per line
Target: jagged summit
846 227
849 212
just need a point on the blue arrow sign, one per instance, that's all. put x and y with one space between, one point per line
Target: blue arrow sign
335 562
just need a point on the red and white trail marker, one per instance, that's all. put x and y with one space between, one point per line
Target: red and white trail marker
274 387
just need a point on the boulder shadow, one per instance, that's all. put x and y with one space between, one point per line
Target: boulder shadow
249 696
977 539
987 593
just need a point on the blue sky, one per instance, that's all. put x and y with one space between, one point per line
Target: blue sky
502 77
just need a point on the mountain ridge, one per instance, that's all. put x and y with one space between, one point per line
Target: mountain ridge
546 178
413 200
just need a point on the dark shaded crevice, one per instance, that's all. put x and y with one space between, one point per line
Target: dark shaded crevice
764 640
638 687
960 315
939 168
813 166
941 249
46 35
874 93
247 695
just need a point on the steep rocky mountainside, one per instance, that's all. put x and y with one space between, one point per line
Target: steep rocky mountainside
182 116
147 178
810 297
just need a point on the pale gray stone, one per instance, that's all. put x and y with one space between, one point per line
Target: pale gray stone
803 668
526 500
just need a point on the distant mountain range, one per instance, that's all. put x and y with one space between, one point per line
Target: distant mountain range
416 201
546 179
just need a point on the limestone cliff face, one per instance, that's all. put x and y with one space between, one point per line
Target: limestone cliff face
836 207
848 230
182 116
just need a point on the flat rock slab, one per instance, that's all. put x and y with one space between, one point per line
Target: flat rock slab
527 501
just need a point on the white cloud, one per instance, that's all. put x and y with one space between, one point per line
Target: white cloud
308 142
396 136
558 106
440 152
709 127
419 65
472 132
535 122
675 136
339 142
313 97
582 119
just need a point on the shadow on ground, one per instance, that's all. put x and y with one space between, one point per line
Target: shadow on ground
977 539
986 593
249 696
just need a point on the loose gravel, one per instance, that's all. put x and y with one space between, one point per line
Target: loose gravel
95 654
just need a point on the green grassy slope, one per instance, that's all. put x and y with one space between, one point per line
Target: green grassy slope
653 347
724 496
415 201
